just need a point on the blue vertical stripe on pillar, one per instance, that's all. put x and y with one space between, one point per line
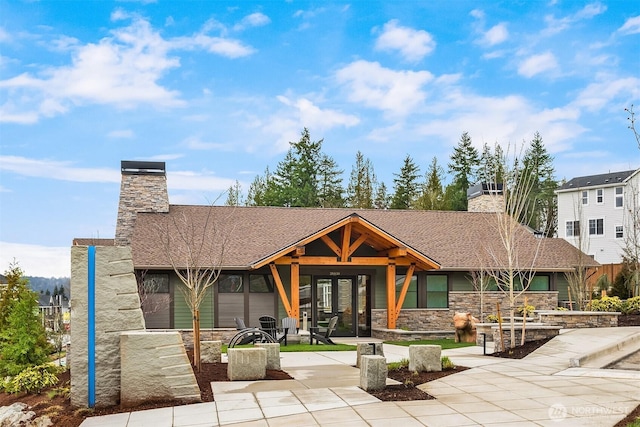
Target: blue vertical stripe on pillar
91 332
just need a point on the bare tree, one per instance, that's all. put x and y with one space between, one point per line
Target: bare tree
631 230
632 123
512 256
194 246
152 299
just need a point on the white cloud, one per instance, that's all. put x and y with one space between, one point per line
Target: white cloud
477 13
196 143
314 117
608 89
555 26
495 35
121 133
254 20
412 44
37 260
219 45
537 64
5 37
51 169
631 26
394 92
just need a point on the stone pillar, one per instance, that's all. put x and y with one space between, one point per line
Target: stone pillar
373 373
425 358
117 309
368 349
246 364
273 354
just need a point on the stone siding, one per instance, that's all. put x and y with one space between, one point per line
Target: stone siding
117 309
139 193
579 319
441 319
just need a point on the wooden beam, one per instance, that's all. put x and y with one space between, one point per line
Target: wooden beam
281 291
396 252
295 290
391 295
299 250
332 245
328 260
346 241
355 245
405 287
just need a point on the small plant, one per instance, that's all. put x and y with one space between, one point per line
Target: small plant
631 306
492 318
526 311
33 380
447 363
83 412
395 366
606 304
59 391
561 309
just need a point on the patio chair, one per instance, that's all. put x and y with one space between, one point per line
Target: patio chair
250 335
268 325
239 323
323 335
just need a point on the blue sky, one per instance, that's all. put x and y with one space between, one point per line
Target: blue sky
217 89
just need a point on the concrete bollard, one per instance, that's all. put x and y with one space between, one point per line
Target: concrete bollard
273 354
304 336
246 364
368 349
373 373
211 351
425 358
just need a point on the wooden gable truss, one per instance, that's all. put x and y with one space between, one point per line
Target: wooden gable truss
354 232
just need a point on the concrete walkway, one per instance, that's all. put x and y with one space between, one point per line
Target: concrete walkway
544 389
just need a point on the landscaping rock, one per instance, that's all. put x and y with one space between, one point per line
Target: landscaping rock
18 415
425 358
368 349
373 373
246 364
273 354
211 351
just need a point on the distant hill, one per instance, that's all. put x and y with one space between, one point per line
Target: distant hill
44 284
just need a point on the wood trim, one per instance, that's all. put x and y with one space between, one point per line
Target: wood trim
346 242
396 252
391 295
359 241
331 244
327 260
299 251
280 286
295 290
405 287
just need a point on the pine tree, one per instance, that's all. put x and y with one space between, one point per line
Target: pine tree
234 195
329 184
464 164
257 190
491 165
405 185
432 196
360 191
542 214
382 199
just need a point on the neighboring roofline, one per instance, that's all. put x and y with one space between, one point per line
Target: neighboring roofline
598 184
631 176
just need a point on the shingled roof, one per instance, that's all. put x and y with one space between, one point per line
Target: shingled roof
454 240
596 180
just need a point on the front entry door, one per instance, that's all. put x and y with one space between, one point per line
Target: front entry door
335 296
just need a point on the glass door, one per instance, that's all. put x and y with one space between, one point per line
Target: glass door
335 296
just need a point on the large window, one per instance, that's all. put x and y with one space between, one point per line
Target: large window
261 283
539 283
619 197
596 227
156 283
411 298
437 294
230 284
572 228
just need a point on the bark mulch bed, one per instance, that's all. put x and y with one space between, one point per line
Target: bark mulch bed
408 390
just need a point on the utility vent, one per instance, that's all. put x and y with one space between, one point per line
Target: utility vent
129 167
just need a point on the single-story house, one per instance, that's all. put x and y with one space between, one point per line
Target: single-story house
377 270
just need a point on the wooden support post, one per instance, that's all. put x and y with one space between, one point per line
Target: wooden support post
295 290
280 286
405 287
391 294
346 242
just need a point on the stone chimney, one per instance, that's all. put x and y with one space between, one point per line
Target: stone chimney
143 189
484 197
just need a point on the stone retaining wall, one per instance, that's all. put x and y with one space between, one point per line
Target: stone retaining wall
579 319
218 334
532 333
441 319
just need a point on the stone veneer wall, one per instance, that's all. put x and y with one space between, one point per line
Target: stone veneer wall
579 319
441 319
117 309
139 193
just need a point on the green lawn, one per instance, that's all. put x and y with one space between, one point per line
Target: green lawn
304 347
444 343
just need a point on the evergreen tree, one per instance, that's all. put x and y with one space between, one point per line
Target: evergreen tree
234 195
491 165
329 184
405 185
432 197
542 214
382 199
360 192
257 190
16 284
464 164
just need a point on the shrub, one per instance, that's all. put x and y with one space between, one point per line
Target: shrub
447 363
631 306
34 379
394 366
620 285
561 309
529 309
606 304
492 318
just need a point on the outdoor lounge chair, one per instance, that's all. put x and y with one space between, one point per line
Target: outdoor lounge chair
250 335
323 335
239 323
268 325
